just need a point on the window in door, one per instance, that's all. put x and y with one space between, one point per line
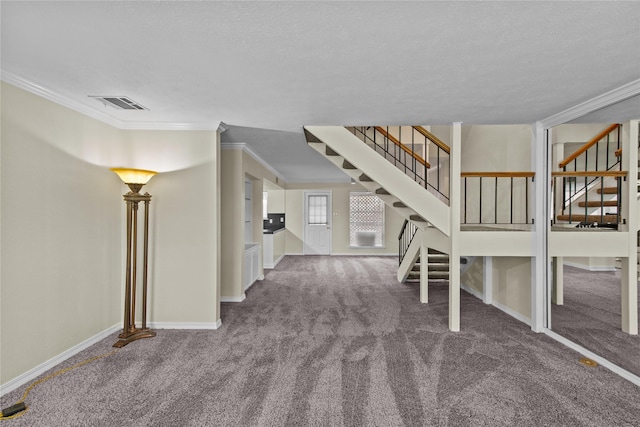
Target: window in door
317 209
366 220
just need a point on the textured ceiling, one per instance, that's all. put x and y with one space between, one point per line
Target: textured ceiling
282 65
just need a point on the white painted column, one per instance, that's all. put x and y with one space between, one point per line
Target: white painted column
629 276
454 226
424 272
540 213
487 280
557 296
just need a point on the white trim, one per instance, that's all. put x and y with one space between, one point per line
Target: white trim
470 290
95 113
272 266
323 181
233 299
294 253
186 325
541 159
591 268
487 279
503 308
521 317
363 254
599 359
247 149
56 360
252 283
621 93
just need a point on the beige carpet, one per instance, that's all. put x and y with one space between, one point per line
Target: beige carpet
336 341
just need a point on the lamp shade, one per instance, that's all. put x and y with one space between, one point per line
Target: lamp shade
134 176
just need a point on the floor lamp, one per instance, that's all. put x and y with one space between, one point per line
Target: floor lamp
135 179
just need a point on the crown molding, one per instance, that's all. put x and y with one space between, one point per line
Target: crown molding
621 93
81 108
247 149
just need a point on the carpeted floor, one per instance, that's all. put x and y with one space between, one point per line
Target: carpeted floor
590 317
333 341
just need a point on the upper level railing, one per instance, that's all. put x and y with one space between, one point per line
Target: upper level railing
496 197
414 150
600 153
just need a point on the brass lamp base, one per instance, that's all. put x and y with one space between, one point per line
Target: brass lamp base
133 335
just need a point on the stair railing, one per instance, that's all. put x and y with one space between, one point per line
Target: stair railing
590 157
407 233
510 197
406 150
589 179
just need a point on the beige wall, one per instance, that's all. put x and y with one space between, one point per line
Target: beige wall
232 219
183 210
237 165
62 227
496 149
511 287
340 227
472 277
591 263
276 201
60 233
512 284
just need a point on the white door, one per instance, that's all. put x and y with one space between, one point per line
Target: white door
317 223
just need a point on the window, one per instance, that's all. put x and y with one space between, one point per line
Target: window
317 209
366 220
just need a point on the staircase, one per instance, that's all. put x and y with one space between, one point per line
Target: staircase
438 267
404 187
591 189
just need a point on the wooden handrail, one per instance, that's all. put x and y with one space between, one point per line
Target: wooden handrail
498 174
431 137
589 144
402 146
616 174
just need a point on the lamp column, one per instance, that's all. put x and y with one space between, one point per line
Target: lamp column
132 199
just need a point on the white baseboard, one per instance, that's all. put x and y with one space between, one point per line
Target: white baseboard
599 359
512 313
56 360
363 254
472 291
590 267
276 262
233 299
185 325
294 253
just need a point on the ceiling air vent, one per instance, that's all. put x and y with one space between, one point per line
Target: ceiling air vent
119 102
